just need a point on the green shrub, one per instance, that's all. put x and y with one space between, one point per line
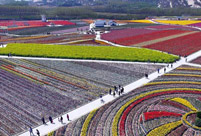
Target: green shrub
199 114
198 122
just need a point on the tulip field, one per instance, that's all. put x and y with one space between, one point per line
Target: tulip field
183 46
197 61
65 69
134 40
13 25
31 89
158 108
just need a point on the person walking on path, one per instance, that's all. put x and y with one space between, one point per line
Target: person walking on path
31 131
158 70
164 70
50 118
37 132
61 119
43 120
119 87
146 75
119 92
110 91
122 90
101 98
68 117
115 88
114 93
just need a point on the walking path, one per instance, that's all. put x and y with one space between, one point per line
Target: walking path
77 113
82 60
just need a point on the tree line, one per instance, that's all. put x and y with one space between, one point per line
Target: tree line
128 12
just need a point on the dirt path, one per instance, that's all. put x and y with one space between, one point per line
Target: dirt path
162 39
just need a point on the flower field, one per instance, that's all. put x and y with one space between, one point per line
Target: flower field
153 110
128 41
196 24
148 35
87 52
50 39
31 89
140 21
178 22
35 23
123 33
198 60
184 45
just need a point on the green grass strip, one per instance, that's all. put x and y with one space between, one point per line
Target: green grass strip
88 52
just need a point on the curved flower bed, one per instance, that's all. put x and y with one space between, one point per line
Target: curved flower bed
165 129
86 123
125 109
185 121
184 102
157 114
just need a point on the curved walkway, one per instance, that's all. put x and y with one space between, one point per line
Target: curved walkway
77 113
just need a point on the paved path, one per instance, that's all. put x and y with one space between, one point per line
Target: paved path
77 113
82 60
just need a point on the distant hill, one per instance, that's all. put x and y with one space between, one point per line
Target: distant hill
173 3
160 3
144 3
179 3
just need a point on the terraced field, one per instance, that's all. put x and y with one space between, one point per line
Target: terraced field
33 89
158 108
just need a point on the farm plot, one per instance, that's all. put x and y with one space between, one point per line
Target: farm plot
88 52
178 22
31 89
110 73
183 46
156 109
49 39
128 41
123 33
23 103
196 25
198 60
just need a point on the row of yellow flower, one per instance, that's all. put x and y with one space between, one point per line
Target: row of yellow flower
183 68
164 129
178 22
51 133
140 21
172 82
188 123
87 122
187 75
120 111
184 102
